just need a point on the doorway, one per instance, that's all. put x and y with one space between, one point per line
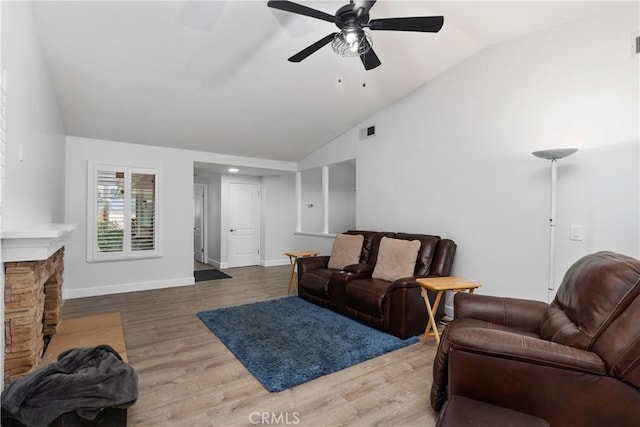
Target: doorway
243 225
199 223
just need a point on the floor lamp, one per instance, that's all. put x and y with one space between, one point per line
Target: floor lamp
553 155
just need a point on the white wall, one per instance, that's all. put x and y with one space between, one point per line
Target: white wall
312 201
605 203
278 219
176 266
34 180
342 184
453 158
2 186
176 197
213 216
215 213
344 147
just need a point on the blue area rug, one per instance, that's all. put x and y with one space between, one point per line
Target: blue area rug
289 341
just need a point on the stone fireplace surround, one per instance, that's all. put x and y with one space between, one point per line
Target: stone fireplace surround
34 264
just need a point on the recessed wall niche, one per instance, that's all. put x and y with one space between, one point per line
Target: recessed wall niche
328 198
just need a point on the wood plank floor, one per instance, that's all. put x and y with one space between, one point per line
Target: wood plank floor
187 377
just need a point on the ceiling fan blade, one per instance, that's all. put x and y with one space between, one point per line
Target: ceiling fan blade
362 7
311 49
289 6
428 24
370 60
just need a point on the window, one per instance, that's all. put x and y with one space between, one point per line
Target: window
123 213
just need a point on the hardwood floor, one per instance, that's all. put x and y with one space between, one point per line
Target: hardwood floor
187 377
201 266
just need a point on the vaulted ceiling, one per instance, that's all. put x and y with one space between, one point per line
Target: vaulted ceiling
214 76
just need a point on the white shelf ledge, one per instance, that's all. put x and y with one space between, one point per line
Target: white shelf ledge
34 243
315 234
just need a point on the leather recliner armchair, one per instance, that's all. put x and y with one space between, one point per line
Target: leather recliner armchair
575 362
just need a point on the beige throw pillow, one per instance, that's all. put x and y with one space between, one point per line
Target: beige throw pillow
396 259
346 250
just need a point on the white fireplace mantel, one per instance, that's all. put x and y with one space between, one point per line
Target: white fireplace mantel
34 243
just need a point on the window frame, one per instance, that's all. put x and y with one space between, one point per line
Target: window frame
93 254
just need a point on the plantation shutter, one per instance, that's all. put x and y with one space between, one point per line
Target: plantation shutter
110 211
124 204
143 212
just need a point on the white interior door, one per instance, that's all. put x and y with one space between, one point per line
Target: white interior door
198 222
244 220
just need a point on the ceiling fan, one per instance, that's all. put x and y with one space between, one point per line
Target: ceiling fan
352 19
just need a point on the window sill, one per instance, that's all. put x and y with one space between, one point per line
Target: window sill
138 258
315 234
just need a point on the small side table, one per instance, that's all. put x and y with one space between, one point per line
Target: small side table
293 257
441 285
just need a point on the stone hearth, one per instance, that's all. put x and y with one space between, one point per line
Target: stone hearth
34 262
33 309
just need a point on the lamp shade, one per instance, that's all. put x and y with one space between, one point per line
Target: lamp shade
555 153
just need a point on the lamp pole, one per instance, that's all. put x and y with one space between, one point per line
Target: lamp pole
554 155
552 226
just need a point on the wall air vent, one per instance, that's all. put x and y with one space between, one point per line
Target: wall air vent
371 130
367 132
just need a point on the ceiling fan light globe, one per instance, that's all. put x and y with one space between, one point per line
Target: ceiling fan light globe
342 47
350 37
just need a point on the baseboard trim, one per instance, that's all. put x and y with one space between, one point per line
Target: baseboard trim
274 262
448 310
263 263
214 263
126 287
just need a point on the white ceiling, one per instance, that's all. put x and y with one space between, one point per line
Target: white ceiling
134 72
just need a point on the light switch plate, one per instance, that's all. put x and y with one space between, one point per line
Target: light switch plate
577 232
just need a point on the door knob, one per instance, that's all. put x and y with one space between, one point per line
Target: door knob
232 230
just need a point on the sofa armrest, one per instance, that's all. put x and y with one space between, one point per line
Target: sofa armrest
404 282
516 313
527 349
409 282
339 280
307 264
562 385
562 397
359 269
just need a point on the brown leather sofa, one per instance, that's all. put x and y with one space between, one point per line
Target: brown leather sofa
575 362
394 307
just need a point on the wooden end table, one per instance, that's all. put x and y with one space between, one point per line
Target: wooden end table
441 285
293 257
